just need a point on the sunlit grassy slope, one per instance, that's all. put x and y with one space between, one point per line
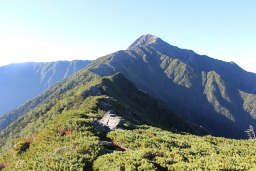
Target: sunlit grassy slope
59 134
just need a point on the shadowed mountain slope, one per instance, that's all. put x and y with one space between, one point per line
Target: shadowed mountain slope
206 91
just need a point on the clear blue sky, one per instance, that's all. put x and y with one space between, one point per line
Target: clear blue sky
49 30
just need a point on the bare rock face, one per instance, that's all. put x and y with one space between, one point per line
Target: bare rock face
109 122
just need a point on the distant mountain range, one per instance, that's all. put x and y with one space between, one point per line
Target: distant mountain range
21 82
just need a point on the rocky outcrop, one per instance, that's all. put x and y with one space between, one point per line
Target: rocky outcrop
109 122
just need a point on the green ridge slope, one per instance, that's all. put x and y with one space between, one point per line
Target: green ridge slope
61 134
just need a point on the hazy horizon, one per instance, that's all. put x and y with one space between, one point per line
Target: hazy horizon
45 31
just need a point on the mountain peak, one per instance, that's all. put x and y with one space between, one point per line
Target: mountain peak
144 40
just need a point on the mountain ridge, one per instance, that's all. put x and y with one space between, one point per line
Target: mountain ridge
22 81
61 133
200 89
164 103
187 82
83 85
